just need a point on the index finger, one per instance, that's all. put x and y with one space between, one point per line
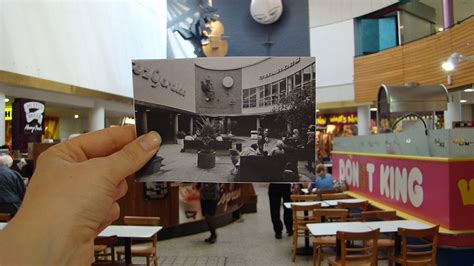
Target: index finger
104 142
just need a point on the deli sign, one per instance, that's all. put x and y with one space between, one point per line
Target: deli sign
30 116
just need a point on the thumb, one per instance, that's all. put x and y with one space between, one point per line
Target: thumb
129 159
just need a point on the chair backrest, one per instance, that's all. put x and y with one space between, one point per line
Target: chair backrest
355 209
310 197
108 241
304 214
366 252
143 220
334 196
368 216
426 247
326 191
331 215
5 217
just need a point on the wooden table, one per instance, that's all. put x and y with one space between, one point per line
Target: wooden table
127 232
305 203
335 202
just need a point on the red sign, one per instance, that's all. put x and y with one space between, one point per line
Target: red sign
438 191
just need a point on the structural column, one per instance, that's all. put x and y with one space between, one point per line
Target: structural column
448 17
258 122
97 118
2 118
144 121
176 124
454 112
363 120
288 127
191 125
229 125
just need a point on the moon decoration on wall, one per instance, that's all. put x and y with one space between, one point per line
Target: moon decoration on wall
266 11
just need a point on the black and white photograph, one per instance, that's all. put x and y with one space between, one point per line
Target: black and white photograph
246 119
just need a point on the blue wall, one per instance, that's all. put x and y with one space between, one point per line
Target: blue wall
289 35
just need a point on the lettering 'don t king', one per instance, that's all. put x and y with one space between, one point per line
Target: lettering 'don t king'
396 183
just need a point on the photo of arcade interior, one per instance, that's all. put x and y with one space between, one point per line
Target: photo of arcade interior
230 119
178 132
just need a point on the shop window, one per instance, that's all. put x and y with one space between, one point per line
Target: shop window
261 94
282 88
253 98
275 93
307 74
289 83
375 34
245 98
298 78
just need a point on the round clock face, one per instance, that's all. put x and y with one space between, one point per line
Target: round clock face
227 82
266 11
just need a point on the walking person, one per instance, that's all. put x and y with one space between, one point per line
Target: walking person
210 195
276 193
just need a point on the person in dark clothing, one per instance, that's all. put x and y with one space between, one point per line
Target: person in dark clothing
210 195
310 148
277 192
12 187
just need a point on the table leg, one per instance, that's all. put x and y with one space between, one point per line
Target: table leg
128 251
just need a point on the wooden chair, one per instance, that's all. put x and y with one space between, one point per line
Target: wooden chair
101 244
5 217
149 252
356 255
383 243
418 253
327 215
334 196
355 209
302 215
308 197
321 192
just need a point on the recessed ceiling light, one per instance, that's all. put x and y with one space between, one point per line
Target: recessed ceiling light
463 101
469 90
317 110
76 116
373 109
440 29
148 110
7 100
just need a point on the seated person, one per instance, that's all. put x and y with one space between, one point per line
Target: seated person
235 159
250 151
278 150
323 179
12 187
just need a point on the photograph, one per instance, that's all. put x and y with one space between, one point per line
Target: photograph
234 119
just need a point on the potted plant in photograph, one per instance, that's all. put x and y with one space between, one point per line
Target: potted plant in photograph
208 131
180 137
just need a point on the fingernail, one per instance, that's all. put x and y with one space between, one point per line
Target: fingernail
150 141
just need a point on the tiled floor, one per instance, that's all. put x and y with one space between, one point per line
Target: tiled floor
249 241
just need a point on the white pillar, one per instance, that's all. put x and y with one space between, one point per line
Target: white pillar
454 112
144 121
229 125
191 125
176 124
2 118
96 118
258 122
363 120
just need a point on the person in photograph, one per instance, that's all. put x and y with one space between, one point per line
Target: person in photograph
12 186
291 152
323 181
210 195
261 140
278 193
250 151
309 148
278 150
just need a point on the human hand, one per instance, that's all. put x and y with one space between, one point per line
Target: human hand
72 196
